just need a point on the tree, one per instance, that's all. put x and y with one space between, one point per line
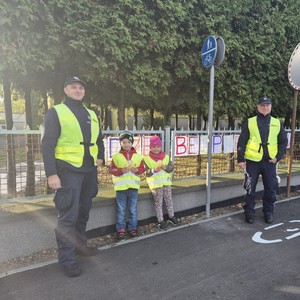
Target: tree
24 24
133 50
257 41
11 160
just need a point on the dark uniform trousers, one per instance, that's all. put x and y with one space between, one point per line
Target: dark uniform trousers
270 182
74 203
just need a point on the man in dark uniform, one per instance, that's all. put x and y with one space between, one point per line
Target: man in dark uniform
72 148
261 145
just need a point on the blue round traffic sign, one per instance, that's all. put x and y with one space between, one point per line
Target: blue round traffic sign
209 51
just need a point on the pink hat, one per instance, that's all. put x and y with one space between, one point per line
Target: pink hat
155 141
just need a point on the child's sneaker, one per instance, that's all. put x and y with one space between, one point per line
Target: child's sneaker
121 235
173 221
133 233
162 225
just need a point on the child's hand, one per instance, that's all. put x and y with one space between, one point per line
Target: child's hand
134 170
157 168
125 170
163 167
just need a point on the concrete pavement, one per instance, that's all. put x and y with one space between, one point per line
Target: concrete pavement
220 258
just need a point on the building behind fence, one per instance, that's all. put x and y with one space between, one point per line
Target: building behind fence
22 171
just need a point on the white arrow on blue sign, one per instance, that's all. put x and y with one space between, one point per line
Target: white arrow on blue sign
209 51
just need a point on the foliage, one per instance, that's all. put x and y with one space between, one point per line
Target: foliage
158 121
18 106
147 53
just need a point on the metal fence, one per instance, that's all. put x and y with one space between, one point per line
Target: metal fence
22 170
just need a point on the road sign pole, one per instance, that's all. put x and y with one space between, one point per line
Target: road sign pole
213 52
210 137
294 79
292 142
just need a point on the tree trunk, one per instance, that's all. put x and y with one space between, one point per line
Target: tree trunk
230 123
30 172
199 119
205 118
28 108
231 126
47 189
121 111
217 124
102 117
45 102
190 122
107 119
167 115
287 119
135 108
151 118
11 155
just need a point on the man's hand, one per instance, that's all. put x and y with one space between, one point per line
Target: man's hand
54 182
242 165
99 163
273 161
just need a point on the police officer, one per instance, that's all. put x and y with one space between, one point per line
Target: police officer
261 145
72 149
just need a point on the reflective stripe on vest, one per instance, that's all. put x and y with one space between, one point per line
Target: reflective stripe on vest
68 146
158 179
127 180
254 148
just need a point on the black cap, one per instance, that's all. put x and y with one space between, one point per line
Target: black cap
74 79
126 135
264 100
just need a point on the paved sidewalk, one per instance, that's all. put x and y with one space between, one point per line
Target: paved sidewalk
26 227
221 258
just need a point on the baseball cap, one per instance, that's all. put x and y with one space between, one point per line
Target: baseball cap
74 79
264 100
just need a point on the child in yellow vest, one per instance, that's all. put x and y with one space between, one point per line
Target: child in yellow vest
126 166
159 171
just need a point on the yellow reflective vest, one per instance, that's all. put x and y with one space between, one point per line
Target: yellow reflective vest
127 180
68 146
254 149
158 179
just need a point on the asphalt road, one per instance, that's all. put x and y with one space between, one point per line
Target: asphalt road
222 258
